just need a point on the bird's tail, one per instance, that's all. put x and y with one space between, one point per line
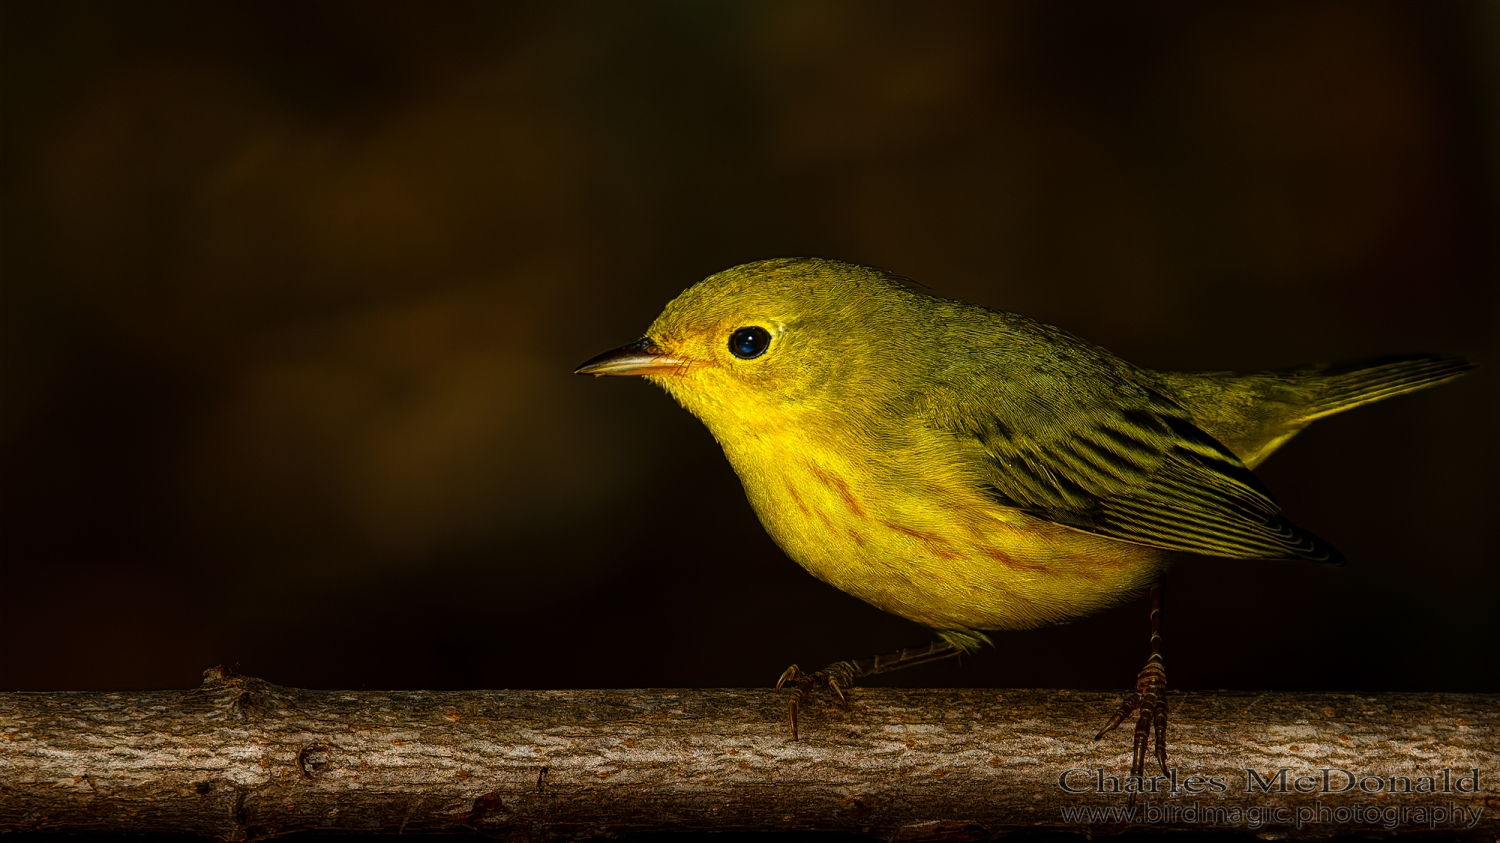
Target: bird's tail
1344 387
1280 404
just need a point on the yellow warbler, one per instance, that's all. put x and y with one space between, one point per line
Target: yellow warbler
975 470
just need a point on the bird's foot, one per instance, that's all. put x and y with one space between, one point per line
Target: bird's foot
841 675
1150 699
836 677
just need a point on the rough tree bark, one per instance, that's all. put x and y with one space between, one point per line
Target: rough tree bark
239 759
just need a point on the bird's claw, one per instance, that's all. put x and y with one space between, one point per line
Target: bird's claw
1150 699
830 677
791 674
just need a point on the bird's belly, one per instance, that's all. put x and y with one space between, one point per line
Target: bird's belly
938 554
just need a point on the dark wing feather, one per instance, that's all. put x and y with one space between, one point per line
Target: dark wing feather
1126 462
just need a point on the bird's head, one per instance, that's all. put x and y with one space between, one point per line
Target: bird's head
768 341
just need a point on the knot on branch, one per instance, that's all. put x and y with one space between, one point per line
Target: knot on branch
237 697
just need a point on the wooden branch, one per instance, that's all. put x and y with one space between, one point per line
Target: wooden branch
240 759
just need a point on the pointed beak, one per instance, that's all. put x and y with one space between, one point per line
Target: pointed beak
641 357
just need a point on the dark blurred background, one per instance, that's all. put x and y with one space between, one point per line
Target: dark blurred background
292 293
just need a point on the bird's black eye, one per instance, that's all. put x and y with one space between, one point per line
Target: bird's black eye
749 342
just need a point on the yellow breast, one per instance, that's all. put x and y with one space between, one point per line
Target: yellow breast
909 533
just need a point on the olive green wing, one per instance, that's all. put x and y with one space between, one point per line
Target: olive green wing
1119 458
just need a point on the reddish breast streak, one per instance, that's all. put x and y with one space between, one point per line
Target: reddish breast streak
1011 562
935 543
797 499
838 485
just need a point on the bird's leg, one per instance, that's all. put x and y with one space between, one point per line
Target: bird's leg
841 675
1150 697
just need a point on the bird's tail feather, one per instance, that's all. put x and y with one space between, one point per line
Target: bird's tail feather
1352 385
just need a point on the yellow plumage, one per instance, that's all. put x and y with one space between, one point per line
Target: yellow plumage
975 470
